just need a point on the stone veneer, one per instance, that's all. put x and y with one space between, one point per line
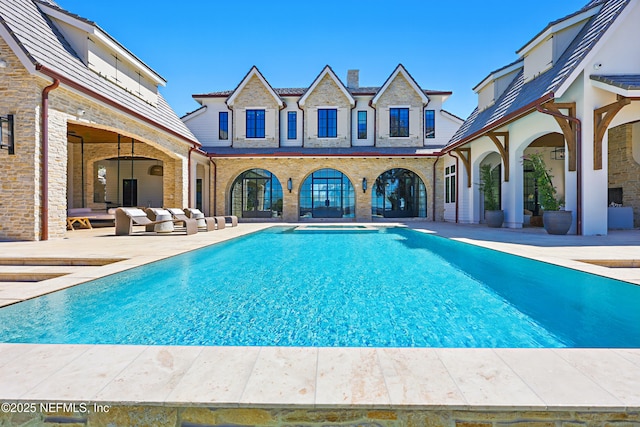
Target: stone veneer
167 416
298 169
327 94
624 171
20 201
255 95
400 92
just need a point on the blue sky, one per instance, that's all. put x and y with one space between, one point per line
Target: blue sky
203 46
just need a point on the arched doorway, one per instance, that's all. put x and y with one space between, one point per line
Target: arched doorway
327 193
256 193
399 193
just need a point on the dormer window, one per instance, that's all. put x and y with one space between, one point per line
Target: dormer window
255 123
398 122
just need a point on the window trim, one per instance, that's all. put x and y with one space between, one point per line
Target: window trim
293 114
256 128
226 125
361 135
398 109
432 129
327 128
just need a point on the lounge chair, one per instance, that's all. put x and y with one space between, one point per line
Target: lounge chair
233 220
126 218
178 214
219 221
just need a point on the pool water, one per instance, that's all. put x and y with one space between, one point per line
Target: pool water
391 288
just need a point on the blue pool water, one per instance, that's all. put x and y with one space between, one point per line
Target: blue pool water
324 287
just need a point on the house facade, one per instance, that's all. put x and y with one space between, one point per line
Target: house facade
83 125
330 150
572 96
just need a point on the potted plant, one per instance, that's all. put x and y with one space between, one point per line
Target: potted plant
493 215
554 218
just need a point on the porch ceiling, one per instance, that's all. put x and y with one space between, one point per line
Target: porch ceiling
92 135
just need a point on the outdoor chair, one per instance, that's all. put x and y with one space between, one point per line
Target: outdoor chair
126 218
178 214
204 221
232 219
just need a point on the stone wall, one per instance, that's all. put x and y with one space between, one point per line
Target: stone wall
624 171
166 416
19 194
255 95
20 199
327 94
298 169
400 93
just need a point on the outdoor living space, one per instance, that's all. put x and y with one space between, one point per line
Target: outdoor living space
273 386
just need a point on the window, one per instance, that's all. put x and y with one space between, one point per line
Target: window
398 122
292 131
223 125
430 124
327 123
362 125
450 184
255 123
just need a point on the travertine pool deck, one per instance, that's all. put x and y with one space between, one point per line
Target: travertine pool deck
535 385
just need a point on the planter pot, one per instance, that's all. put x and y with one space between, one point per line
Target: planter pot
557 222
494 218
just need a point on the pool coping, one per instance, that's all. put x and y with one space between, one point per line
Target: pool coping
593 380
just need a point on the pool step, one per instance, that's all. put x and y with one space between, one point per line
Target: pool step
28 277
77 262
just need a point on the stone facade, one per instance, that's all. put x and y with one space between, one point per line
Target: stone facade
255 95
327 94
400 93
20 200
298 169
624 171
167 416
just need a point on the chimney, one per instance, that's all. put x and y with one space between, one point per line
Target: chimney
353 79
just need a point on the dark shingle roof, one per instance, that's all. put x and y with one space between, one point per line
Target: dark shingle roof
623 81
46 48
520 96
299 91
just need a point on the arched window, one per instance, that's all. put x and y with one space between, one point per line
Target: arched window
399 193
327 193
256 193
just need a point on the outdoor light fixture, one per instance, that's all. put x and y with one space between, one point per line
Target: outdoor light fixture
364 185
80 112
6 133
3 63
289 185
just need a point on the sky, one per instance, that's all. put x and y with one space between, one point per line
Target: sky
202 46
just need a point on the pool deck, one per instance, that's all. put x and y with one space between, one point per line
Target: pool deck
602 380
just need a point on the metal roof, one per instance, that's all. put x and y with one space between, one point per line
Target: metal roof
520 97
47 49
319 152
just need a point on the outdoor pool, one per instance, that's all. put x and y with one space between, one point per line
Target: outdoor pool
333 287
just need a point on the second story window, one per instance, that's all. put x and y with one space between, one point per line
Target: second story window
223 125
327 123
398 122
450 184
429 124
362 125
255 123
292 130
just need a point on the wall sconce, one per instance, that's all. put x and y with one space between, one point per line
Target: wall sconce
364 185
6 133
289 185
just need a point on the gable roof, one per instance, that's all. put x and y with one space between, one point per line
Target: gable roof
401 70
43 49
254 72
522 97
327 71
